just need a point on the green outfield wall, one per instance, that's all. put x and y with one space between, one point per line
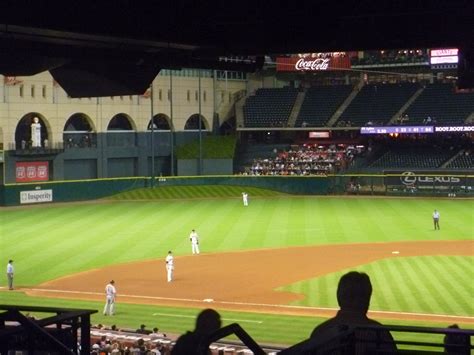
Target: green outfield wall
69 191
358 184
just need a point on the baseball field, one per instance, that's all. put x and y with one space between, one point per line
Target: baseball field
272 267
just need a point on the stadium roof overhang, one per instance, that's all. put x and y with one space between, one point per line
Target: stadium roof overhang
103 48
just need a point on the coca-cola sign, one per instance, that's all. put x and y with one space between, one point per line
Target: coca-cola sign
315 64
310 63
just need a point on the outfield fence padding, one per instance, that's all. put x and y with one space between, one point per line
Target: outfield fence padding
423 184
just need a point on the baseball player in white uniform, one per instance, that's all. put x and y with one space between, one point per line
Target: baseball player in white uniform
245 198
10 272
436 219
169 266
110 294
194 238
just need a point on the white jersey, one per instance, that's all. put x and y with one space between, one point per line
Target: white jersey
169 260
9 268
110 291
194 238
436 215
245 198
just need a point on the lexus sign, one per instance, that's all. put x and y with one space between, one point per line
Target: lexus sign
409 178
427 179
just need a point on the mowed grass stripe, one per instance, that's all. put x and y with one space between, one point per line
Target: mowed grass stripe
278 225
415 294
62 248
451 274
398 286
370 218
392 284
383 296
251 226
192 192
431 284
224 230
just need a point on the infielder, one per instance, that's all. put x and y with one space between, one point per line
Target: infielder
436 219
110 294
245 198
194 238
169 266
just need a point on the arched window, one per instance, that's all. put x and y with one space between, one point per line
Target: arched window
161 122
78 132
120 122
193 122
24 132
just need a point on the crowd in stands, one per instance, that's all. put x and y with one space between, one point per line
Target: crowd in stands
306 159
400 56
112 340
344 123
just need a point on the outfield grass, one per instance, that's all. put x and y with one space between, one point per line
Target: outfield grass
51 241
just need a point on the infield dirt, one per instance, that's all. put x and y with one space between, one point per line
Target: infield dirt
244 280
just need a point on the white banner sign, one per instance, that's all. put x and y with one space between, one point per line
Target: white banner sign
36 196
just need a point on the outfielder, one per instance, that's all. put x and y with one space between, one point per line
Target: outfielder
169 266
194 238
245 198
110 294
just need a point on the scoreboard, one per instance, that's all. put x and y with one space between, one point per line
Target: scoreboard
446 58
414 129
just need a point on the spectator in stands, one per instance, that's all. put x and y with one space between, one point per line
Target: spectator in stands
353 296
207 322
154 350
156 334
95 349
458 344
142 330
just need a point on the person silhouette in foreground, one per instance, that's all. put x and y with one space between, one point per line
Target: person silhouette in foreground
353 296
207 322
457 344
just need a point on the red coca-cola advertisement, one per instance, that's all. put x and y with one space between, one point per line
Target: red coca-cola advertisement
32 171
309 62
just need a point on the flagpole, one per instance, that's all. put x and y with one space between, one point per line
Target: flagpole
152 140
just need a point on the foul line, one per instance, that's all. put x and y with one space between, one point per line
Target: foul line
193 317
280 306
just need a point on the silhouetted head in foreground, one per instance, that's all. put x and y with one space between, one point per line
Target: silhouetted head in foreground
207 321
354 291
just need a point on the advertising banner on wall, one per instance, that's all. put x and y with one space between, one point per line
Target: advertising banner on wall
321 62
32 171
36 196
441 180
